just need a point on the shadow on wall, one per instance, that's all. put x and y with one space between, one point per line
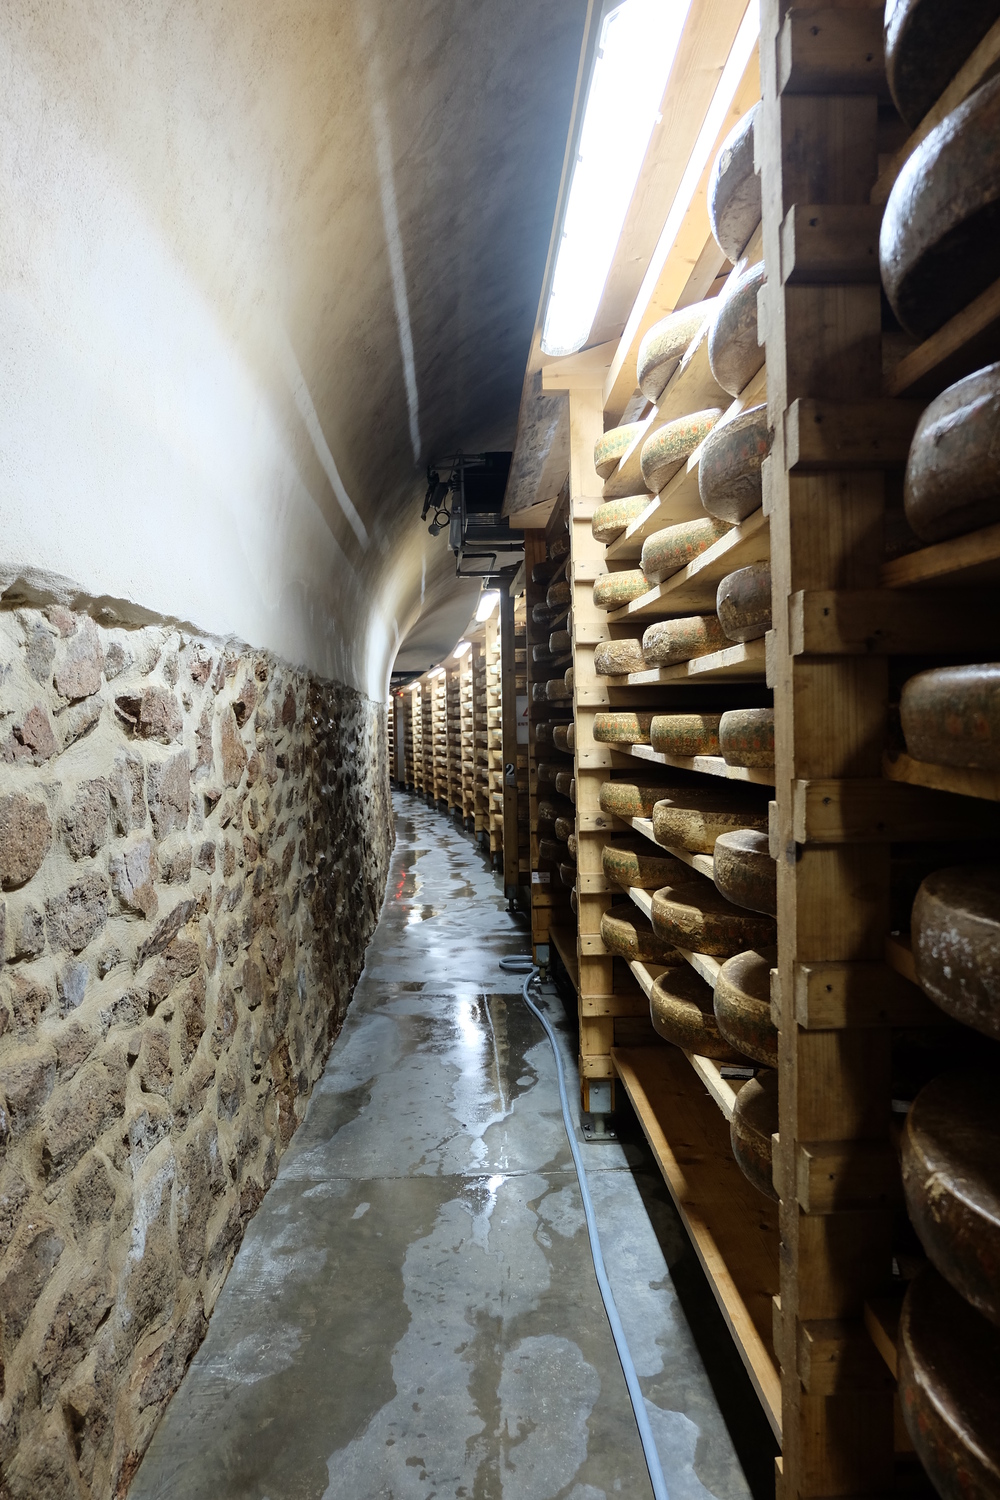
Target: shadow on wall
194 842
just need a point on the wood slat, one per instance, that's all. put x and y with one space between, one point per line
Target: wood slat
693 590
963 782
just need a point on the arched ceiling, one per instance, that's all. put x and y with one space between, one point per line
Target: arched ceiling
260 263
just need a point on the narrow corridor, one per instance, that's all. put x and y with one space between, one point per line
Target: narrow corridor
414 1312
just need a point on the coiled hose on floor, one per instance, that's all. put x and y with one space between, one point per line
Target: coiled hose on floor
523 965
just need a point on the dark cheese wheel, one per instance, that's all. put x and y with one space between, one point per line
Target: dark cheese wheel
746 737
626 933
559 594
543 732
734 189
565 784
680 1008
956 943
560 643
551 852
733 351
543 571
627 865
743 602
729 470
744 871
951 716
926 42
953 471
692 820
564 828
938 242
564 736
754 1122
628 799
951 1177
700 920
949 1389
743 1004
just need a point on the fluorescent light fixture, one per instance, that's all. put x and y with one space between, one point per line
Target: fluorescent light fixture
437 672
635 53
461 649
487 604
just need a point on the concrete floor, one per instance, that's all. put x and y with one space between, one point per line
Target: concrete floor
413 1312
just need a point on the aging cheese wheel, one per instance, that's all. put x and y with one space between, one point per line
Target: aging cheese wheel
926 42
564 828
754 1122
693 820
729 472
949 1389
611 445
547 771
953 471
541 614
541 655
539 692
551 851
951 1177
571 846
733 351
559 594
567 874
666 552
564 784
627 799
670 641
618 658
938 242
743 1004
951 716
543 571
556 690
614 516
559 548
626 932
743 602
611 590
665 345
543 732
744 871
568 680
550 810
666 449
560 642
628 865
622 728
746 737
734 189
685 734
680 1008
956 943
564 736
574 902
696 917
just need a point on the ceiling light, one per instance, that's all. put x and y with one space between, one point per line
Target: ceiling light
634 56
437 672
487 604
461 649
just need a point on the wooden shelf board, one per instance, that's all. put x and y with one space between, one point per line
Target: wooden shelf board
899 955
719 1088
733 664
563 940
881 1316
965 343
733 1228
970 559
700 862
966 782
707 765
679 500
693 590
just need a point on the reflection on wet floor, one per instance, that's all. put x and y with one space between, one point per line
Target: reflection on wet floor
413 1313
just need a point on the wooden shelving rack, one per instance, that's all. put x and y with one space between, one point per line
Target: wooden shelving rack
467 741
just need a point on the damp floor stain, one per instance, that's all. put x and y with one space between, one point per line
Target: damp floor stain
413 1312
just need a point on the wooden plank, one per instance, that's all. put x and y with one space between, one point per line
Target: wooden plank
849 434
962 781
965 343
830 244
733 1230
693 589
732 664
873 811
833 1354
962 560
822 51
881 1316
865 622
836 995
706 765
899 955
679 500
834 1175
563 940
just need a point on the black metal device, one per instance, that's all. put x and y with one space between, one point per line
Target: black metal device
469 503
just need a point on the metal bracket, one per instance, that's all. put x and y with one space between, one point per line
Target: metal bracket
598 1129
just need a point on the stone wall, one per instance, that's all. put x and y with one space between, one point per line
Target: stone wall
194 842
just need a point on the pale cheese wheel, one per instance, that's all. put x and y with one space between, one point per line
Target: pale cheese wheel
754 1122
699 919
612 590
666 449
746 737
667 551
665 345
729 470
743 602
733 351
626 933
956 943
615 516
668 642
744 871
618 658
951 716
743 1004
680 1009
685 734
621 728
952 482
693 820
734 202
611 445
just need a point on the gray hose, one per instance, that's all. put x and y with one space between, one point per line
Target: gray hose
523 965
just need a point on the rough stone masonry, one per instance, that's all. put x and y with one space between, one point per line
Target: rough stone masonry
194 842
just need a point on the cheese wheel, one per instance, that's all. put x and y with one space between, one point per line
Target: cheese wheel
956 943
622 728
734 189
743 1004
952 480
743 602
729 470
568 680
559 548
628 865
951 716
564 827
685 734
680 1008
574 902
665 345
539 692
744 871
951 1178
938 242
571 846
733 351
551 810
559 594
667 551
560 643
542 572
670 641
627 799
693 820
618 658
564 736
626 933
754 1122
547 771
556 690
665 450
541 614
612 444
541 655
746 737
543 732
612 590
949 1389
564 784
926 42
551 851
699 919
614 516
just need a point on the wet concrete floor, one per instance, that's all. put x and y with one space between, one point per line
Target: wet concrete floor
413 1312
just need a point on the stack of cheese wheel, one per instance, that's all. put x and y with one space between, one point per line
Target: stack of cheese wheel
734 212
743 602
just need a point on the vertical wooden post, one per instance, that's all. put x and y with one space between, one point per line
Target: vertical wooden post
508 713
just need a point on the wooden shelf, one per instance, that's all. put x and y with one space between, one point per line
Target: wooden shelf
962 560
965 782
679 500
965 343
882 1321
899 956
719 1088
700 862
563 940
733 1228
733 664
706 765
693 590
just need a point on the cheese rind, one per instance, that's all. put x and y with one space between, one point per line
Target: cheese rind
626 933
612 590
685 734
628 865
614 516
665 450
746 737
612 444
733 351
618 658
622 728
734 201
629 799
956 943
951 716
742 1003
952 482
754 1122
667 642
693 820
699 919
663 347
743 602
926 42
729 470
744 871
667 551
680 1008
